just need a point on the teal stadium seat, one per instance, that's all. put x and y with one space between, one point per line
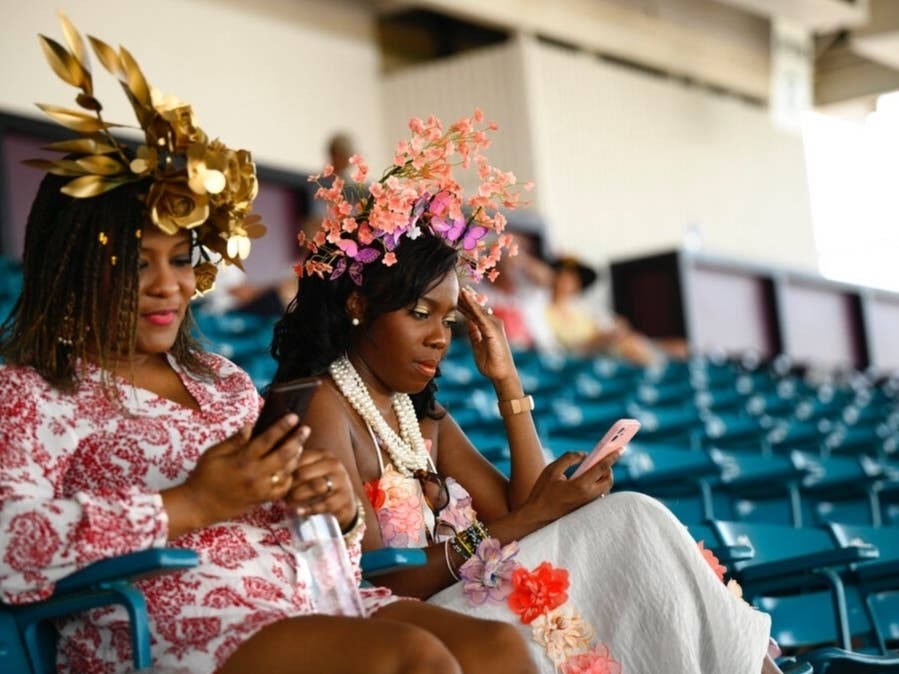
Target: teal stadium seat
28 637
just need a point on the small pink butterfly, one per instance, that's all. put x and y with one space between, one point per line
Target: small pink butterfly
472 236
451 230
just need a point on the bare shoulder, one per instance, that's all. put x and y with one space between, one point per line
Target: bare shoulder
334 425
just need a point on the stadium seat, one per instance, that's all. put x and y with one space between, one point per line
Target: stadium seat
877 580
28 637
797 575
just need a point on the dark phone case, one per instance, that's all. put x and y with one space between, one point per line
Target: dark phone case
290 396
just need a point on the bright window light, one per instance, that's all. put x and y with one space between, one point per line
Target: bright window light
853 173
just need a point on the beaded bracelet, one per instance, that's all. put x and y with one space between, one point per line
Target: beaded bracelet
354 534
446 556
466 543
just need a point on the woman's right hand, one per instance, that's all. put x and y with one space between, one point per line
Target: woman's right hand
238 474
555 495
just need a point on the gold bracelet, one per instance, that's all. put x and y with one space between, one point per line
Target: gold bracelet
354 534
509 408
446 556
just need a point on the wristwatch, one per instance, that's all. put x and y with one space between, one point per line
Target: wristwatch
508 408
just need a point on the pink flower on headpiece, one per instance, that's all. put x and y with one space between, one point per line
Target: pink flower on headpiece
400 203
361 172
440 203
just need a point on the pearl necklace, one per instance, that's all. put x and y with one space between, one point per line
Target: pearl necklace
407 450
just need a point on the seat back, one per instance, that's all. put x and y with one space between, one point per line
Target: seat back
13 657
885 539
771 542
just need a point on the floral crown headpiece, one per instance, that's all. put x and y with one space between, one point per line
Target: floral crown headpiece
197 184
418 191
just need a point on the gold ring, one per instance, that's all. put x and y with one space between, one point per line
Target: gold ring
329 485
276 479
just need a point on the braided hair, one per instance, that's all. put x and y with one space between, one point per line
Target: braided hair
81 277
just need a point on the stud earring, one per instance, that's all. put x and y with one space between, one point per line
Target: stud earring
355 321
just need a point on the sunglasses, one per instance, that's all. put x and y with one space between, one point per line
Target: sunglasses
433 488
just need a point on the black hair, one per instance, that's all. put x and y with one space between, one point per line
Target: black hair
315 329
81 279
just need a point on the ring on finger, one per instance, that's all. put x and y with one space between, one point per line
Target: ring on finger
276 479
489 310
329 485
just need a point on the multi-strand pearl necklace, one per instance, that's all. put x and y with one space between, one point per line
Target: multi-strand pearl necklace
407 450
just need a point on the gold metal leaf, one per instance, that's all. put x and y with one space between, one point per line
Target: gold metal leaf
254 229
74 119
136 81
60 167
81 146
89 186
63 63
219 245
108 57
76 42
101 165
88 102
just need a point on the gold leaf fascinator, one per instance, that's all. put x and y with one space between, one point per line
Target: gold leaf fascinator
196 184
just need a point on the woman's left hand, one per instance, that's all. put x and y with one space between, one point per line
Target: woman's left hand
488 339
322 485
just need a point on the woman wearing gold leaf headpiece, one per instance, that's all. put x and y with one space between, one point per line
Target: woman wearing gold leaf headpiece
120 434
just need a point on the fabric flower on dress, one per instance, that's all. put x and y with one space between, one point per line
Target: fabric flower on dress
487 575
712 561
538 591
598 660
538 598
562 632
732 585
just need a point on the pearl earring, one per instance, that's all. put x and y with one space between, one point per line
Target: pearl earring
355 321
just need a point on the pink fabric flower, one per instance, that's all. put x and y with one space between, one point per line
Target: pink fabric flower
487 575
598 660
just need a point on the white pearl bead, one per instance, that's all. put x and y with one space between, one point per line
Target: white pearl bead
407 450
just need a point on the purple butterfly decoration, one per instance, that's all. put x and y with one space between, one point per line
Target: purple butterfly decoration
451 230
472 236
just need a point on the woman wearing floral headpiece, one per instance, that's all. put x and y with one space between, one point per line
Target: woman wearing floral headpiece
601 585
119 434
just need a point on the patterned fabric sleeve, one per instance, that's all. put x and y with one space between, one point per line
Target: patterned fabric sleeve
45 536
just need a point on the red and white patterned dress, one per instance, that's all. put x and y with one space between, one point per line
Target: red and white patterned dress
79 482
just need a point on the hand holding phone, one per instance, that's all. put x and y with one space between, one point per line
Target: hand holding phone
615 440
290 396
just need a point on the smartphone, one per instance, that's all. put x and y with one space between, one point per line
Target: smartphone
289 396
615 440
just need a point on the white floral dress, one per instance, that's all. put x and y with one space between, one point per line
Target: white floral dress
80 482
642 599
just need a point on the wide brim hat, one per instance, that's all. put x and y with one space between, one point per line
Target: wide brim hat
587 274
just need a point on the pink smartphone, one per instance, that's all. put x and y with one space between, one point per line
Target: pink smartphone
615 440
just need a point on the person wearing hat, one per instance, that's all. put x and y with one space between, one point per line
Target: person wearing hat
577 331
